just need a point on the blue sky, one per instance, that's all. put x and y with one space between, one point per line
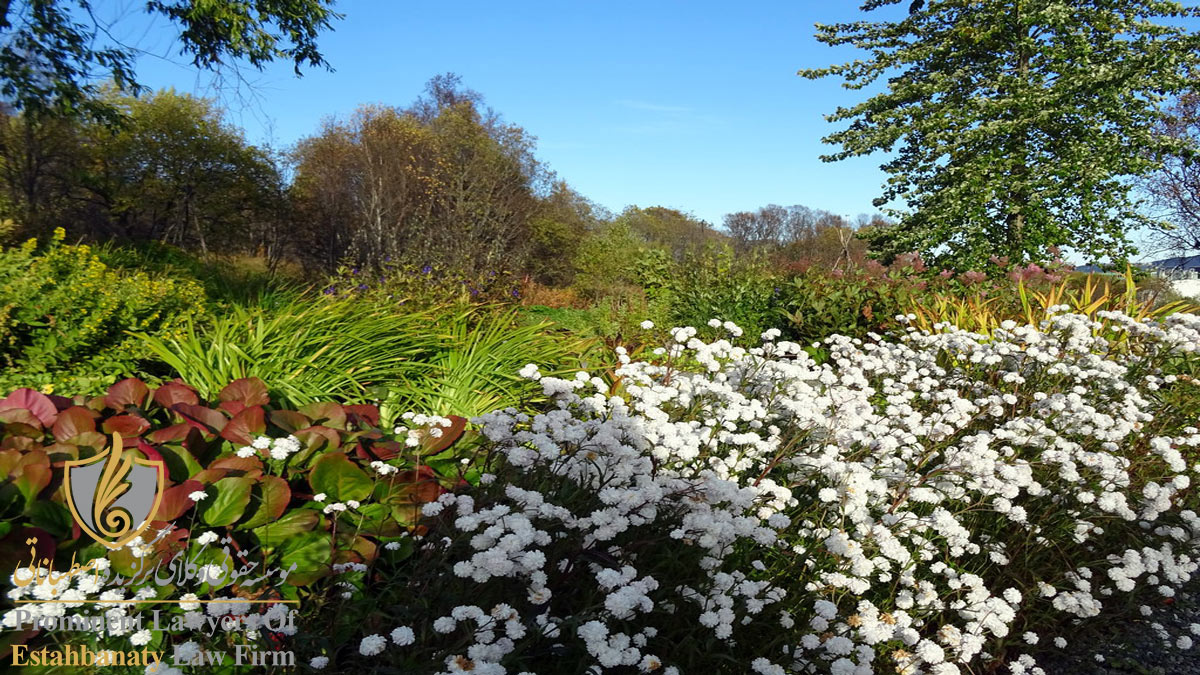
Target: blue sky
690 105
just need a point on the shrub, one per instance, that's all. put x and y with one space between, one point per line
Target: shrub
423 286
714 283
313 490
64 316
943 503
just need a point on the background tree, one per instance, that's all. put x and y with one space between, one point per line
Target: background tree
444 182
176 172
53 53
565 219
1016 124
667 228
1175 188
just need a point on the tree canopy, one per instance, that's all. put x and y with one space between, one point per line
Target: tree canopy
54 54
1016 126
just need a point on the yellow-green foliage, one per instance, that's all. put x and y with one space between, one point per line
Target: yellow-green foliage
985 309
65 316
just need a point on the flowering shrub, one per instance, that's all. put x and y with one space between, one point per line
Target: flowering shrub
939 503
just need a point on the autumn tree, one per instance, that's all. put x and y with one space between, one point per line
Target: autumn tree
445 181
671 229
1175 188
1015 125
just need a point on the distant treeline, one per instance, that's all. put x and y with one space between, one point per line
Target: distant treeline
443 182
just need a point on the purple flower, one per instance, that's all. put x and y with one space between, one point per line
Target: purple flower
362 287
330 291
354 271
427 269
516 293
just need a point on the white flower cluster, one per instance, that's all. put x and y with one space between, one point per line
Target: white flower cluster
277 448
918 499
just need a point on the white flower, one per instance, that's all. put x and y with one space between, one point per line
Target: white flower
319 497
647 324
372 645
198 495
403 636
319 662
207 538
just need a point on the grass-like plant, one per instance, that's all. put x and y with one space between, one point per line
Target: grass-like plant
305 351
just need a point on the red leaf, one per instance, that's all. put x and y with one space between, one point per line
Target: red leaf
149 451
244 426
126 425
333 414
14 551
174 432
367 413
312 436
235 463
74 421
249 391
448 435
210 476
36 403
175 392
289 420
15 416
130 391
232 407
175 500
202 418
61 402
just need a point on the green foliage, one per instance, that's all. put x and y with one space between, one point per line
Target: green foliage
73 49
716 284
228 279
262 501
1015 125
474 367
64 316
462 361
305 351
422 286
606 262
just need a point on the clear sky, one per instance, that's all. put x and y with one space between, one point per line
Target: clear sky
691 105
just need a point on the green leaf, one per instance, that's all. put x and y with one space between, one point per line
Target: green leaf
310 552
270 495
229 503
289 525
339 478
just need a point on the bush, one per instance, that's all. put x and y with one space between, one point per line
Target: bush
313 491
64 316
937 504
422 286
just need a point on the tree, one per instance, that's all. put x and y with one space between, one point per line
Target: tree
54 52
1017 125
1175 188
671 229
177 172
445 181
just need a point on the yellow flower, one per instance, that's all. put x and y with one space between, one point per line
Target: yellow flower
47 388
